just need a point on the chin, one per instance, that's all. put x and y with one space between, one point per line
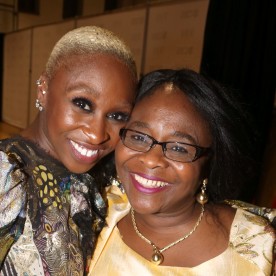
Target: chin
143 208
78 169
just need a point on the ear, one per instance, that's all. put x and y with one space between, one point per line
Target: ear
42 89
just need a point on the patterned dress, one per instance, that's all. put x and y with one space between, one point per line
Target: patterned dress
49 217
249 252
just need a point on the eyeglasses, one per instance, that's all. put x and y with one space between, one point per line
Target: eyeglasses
176 151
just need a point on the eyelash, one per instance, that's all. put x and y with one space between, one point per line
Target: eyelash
82 103
118 116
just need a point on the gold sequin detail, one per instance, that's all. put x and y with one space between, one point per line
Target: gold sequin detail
48 227
48 188
44 176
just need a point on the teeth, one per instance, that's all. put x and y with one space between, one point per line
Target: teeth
147 183
83 151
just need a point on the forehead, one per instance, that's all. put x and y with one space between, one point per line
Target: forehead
169 111
86 62
102 71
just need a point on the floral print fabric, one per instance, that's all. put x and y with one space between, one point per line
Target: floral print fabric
49 218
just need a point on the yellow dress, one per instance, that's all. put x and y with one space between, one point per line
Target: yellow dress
250 250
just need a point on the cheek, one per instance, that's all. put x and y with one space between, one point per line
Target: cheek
114 139
113 129
60 113
119 155
122 156
63 121
189 173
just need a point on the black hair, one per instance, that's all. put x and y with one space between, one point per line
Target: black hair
104 172
231 163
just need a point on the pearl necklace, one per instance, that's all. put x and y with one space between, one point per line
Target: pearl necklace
157 256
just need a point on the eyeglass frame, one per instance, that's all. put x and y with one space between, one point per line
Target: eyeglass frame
200 151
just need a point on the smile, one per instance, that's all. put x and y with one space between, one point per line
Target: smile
83 151
147 183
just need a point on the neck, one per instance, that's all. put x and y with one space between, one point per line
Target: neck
35 133
31 132
159 248
169 223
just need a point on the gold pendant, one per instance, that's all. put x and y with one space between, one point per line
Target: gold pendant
157 258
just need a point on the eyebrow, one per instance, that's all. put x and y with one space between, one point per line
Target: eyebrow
187 136
139 124
81 88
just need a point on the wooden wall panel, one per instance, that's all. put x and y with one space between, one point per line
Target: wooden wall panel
16 75
44 39
175 35
160 36
129 25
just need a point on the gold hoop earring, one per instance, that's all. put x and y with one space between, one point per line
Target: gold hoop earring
202 197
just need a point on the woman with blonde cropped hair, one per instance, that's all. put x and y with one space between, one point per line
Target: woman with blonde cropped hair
51 209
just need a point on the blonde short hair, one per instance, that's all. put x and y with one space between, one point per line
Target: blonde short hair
89 40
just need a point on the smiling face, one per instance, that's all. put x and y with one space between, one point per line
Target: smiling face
152 182
85 104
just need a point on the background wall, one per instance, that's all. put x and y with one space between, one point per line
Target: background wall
145 29
49 11
238 51
7 19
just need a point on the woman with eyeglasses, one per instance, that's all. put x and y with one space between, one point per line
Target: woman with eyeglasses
184 151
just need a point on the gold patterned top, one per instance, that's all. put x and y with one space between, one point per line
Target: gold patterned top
49 217
249 252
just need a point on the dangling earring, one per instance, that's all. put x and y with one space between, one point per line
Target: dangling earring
202 197
38 105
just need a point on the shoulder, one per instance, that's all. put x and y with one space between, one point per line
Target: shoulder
11 171
267 213
116 197
253 238
8 143
251 223
12 188
12 202
118 204
4 161
250 235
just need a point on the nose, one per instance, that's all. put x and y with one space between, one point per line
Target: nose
96 131
154 158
